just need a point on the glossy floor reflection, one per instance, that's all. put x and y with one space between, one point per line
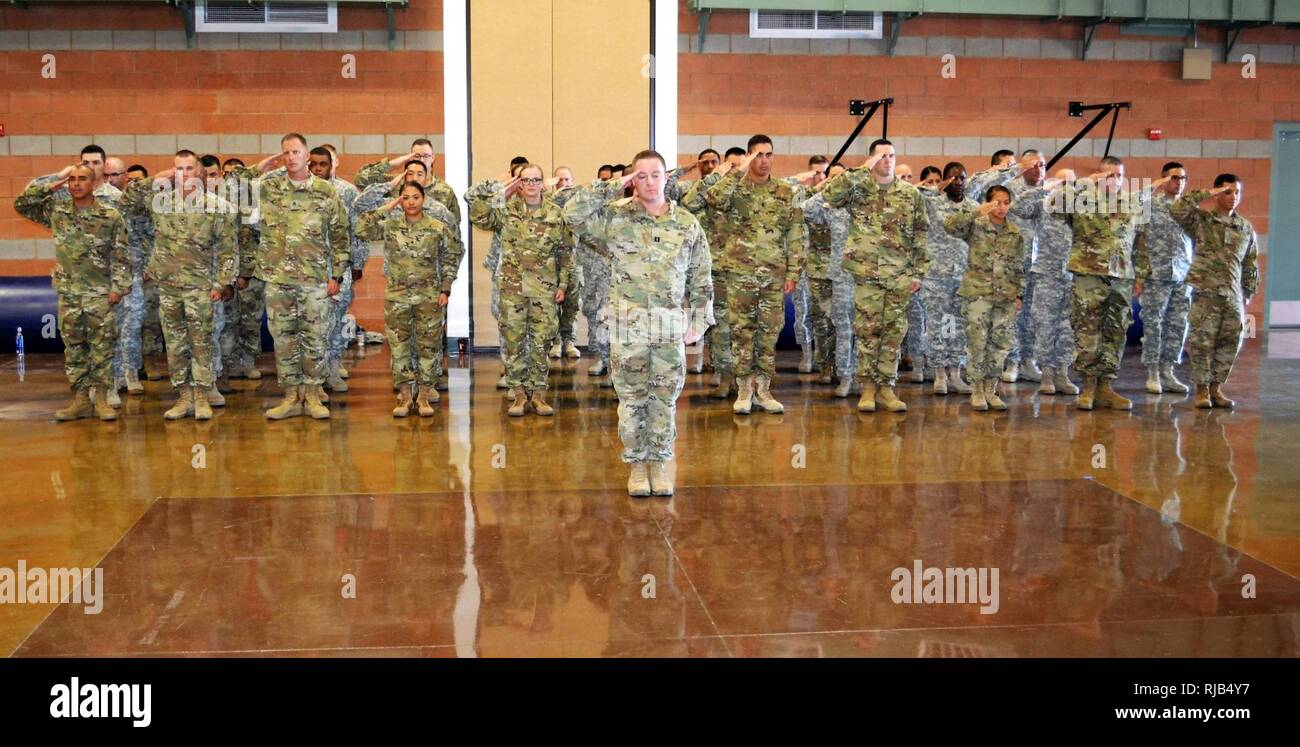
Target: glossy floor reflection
474 534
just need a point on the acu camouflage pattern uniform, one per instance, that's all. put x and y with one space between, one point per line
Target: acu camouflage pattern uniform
945 334
993 281
832 296
885 254
242 340
658 264
1223 275
765 246
1162 257
715 227
1050 238
536 252
91 260
421 260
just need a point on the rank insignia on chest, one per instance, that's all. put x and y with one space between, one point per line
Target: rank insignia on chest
656 239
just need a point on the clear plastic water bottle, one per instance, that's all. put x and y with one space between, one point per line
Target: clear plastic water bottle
18 344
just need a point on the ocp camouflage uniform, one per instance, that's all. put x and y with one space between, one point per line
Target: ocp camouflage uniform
766 242
536 251
1223 275
250 301
830 287
1162 256
572 303
1101 260
436 190
715 229
993 281
1051 238
658 264
945 335
885 254
91 260
304 232
421 260
194 254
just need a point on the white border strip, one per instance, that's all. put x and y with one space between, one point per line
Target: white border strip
664 134
455 115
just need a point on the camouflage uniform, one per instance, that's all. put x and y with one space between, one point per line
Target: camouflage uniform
359 251
1162 255
914 340
536 252
573 292
250 302
715 229
766 242
194 254
992 283
1101 260
833 330
131 312
885 254
658 264
1050 238
436 190
1025 340
421 260
304 232
945 336
91 260
1224 273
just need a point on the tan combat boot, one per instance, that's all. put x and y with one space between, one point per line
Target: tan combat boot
253 373
867 402
336 383
403 408
806 362
1107 397
1063 383
842 389
600 369
133 385
721 387
184 406
222 384
991 395
1029 371
1170 382
1153 380
763 397
80 407
744 395
1202 397
321 394
111 396
538 401
312 402
977 401
343 373
1010 374
940 381
424 403
103 410
289 407
571 351
1088 394
520 404
955 382
890 400
1217 397
660 482
202 408
1049 382
216 398
638 481
555 351
827 377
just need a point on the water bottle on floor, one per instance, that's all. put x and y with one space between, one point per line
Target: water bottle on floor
18 344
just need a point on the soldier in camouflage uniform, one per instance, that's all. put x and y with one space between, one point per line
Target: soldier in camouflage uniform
837 305
885 254
991 290
945 337
564 345
536 252
223 334
1104 221
1162 255
421 258
304 232
660 260
250 288
492 263
91 274
806 307
715 227
192 228
1224 275
127 358
766 242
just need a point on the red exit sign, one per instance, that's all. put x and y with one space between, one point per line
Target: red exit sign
1154 134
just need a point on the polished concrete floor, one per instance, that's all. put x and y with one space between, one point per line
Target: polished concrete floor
1161 532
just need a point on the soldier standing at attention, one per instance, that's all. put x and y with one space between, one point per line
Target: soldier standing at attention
766 240
536 249
561 180
836 306
945 343
1162 255
421 258
130 313
1224 275
660 260
885 254
91 274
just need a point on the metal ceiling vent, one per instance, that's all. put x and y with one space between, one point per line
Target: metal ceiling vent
815 24
227 16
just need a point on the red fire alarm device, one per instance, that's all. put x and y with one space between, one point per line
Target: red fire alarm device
2 130
1154 135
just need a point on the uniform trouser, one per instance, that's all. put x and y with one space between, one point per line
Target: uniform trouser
1100 313
248 337
298 317
1050 311
1165 307
1022 344
89 333
527 328
821 300
228 337
879 324
188 325
130 320
151 335
990 329
756 313
842 292
1217 324
595 302
496 314
335 342
719 335
414 326
914 340
945 334
218 331
803 331
647 378
569 307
